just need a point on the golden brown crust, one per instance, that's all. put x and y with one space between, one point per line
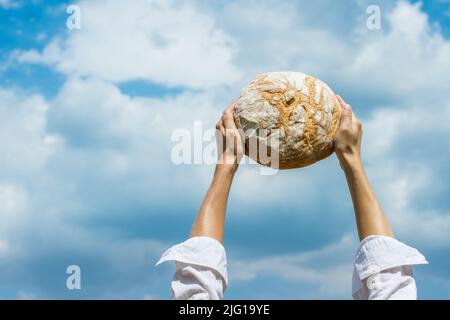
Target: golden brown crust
285 96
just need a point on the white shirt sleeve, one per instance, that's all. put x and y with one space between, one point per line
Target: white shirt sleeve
201 269
383 269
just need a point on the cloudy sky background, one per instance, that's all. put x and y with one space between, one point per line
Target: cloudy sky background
86 118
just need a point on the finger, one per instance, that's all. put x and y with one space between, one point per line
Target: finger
347 113
231 107
358 126
220 127
228 118
343 104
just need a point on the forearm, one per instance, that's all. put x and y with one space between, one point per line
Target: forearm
210 220
370 218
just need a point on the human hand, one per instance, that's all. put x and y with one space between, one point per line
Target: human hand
230 147
347 143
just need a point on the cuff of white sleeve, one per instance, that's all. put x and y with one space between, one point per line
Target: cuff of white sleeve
200 251
379 253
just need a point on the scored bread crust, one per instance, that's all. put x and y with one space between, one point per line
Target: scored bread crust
300 109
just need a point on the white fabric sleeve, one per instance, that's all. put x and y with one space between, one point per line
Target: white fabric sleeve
201 269
383 269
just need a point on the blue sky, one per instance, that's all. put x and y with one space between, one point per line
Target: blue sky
87 115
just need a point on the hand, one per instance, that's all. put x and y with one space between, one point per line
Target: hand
230 147
347 143
370 218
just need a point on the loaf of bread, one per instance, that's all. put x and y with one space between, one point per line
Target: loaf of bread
298 111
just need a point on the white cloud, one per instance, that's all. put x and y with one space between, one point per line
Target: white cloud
130 136
409 61
406 60
13 206
13 201
400 178
330 268
121 119
23 118
167 42
77 154
407 64
281 35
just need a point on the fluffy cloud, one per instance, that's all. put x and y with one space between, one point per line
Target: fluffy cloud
41 182
408 61
402 145
131 138
328 268
25 120
13 199
92 160
161 41
404 69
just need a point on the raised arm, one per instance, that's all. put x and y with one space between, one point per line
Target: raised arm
370 218
201 263
210 219
383 265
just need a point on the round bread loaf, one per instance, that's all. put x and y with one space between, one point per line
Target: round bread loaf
298 111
